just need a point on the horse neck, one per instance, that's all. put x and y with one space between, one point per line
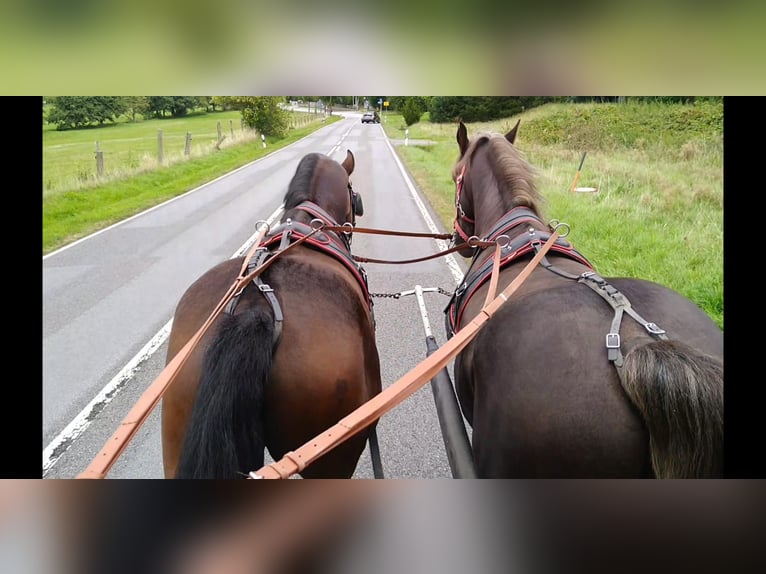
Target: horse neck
310 209
495 206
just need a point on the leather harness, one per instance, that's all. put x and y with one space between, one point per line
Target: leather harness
517 247
337 245
526 243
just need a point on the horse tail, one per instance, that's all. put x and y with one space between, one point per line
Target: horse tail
679 393
225 436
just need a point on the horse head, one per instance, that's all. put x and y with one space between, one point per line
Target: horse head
320 181
491 178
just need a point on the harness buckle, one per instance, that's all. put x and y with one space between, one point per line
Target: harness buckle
612 340
461 289
593 276
654 329
265 288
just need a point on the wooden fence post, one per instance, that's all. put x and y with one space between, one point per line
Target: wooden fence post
187 149
231 127
220 136
160 155
99 161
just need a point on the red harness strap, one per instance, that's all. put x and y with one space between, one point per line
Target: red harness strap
329 243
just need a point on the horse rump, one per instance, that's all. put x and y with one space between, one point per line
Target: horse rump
679 393
225 436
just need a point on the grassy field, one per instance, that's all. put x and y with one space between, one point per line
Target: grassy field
658 213
69 214
130 148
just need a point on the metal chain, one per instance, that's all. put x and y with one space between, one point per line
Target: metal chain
384 295
398 295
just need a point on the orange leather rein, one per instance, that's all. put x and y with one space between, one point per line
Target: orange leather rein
295 461
352 424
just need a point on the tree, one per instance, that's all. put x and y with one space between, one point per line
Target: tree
72 112
136 105
262 113
176 106
413 109
482 108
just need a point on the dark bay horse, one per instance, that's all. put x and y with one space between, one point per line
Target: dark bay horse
289 357
576 375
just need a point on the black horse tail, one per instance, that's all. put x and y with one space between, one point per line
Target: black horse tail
225 436
679 393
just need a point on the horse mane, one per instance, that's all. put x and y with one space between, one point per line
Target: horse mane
514 175
299 189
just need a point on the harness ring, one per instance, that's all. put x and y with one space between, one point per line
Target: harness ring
559 224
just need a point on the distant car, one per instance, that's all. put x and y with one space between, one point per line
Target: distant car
370 118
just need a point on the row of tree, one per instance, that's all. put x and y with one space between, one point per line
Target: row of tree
73 112
266 114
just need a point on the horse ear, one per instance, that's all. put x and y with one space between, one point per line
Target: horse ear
348 163
511 135
462 138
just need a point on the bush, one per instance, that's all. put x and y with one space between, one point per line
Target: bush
482 108
265 115
412 110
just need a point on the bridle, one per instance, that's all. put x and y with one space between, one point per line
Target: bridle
357 208
460 215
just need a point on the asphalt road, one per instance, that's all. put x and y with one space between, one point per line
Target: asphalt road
108 301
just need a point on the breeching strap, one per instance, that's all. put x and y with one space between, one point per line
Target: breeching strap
115 446
295 461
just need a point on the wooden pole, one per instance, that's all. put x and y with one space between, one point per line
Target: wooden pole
99 161
160 155
577 175
187 147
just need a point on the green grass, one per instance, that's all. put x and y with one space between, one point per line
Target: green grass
70 215
658 214
130 148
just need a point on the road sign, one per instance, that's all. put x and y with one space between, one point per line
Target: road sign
385 104
380 101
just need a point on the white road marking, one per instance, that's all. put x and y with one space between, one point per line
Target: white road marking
59 445
443 245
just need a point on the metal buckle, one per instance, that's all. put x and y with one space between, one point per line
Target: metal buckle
654 329
612 340
593 276
265 288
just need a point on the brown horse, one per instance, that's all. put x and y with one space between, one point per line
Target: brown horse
289 357
568 379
